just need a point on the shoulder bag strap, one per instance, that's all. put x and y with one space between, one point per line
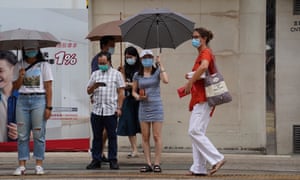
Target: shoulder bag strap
38 61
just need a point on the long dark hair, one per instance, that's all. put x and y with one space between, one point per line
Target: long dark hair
131 69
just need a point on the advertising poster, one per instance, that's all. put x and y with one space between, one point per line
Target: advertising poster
68 128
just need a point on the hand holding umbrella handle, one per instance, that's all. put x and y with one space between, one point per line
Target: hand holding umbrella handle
159 64
157 60
22 72
19 82
163 74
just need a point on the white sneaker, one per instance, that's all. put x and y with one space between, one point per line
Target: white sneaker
19 171
39 170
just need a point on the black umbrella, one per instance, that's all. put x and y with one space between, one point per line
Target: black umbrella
157 28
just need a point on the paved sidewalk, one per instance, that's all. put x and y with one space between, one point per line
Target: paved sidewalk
69 165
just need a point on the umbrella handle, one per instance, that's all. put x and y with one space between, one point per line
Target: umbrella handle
158 51
121 51
121 59
157 37
157 32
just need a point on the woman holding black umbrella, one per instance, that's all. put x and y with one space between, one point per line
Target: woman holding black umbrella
151 113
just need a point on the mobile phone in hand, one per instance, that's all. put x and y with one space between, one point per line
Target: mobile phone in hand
142 92
101 84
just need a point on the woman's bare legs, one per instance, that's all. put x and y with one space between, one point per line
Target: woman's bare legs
132 140
156 130
145 128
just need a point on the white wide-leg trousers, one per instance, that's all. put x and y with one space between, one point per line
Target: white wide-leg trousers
203 149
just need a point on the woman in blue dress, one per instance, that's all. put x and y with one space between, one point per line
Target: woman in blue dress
147 82
129 123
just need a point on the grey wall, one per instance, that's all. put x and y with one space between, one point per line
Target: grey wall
287 75
239 45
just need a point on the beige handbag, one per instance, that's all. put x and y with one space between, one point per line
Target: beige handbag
215 88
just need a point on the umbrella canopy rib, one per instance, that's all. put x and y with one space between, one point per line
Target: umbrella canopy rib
153 23
169 34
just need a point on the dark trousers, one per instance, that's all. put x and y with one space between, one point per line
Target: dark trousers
98 123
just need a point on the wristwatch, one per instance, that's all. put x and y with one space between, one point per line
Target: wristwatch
49 107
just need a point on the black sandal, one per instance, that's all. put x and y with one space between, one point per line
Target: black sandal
157 169
146 168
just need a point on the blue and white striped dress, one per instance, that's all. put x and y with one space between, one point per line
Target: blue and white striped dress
150 110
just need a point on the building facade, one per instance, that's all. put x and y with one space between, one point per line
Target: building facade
239 46
264 114
287 84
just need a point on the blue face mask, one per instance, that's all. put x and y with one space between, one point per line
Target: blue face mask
147 62
196 43
103 67
111 50
31 53
131 61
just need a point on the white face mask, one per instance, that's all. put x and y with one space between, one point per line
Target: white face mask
111 50
131 61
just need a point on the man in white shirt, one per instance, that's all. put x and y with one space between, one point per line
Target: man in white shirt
107 87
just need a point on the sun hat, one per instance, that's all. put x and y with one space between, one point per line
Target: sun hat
146 52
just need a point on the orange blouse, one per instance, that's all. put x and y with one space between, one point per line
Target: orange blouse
198 90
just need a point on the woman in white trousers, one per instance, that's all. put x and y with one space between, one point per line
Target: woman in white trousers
203 149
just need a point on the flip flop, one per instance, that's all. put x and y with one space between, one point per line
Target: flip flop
217 166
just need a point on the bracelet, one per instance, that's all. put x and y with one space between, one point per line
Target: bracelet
162 71
49 108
